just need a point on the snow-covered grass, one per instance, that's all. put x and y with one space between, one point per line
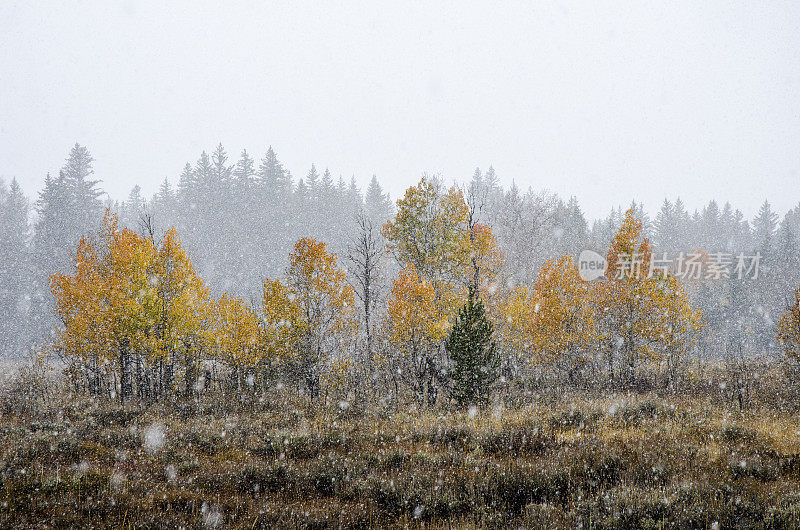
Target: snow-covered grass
599 460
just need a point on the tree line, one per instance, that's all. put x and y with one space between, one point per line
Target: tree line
137 320
238 221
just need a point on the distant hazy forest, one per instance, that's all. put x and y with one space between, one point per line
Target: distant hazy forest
239 217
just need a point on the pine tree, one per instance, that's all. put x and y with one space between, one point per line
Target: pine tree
187 185
203 177
244 170
162 206
681 229
51 245
312 183
377 205
133 208
222 172
727 229
326 186
273 177
243 222
576 229
14 267
474 354
711 228
243 198
88 209
764 226
355 202
664 228
273 222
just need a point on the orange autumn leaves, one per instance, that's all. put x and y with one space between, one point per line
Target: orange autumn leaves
551 320
646 312
439 255
417 320
311 317
629 315
110 303
127 295
128 299
559 319
789 328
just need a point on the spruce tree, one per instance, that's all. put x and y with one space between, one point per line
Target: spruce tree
474 354
764 226
377 205
274 178
312 183
14 268
187 186
273 214
53 238
664 228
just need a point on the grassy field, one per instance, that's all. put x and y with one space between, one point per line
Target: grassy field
579 461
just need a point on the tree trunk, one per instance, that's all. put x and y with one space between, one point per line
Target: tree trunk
124 380
190 375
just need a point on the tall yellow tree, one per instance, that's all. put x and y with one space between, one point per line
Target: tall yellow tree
624 301
184 314
637 311
131 302
789 328
550 321
680 323
436 233
237 339
429 230
416 327
131 309
108 305
80 307
282 325
326 307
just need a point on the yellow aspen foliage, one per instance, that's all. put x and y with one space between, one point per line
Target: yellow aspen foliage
130 296
625 299
320 289
789 328
282 326
629 254
107 306
639 314
429 230
127 301
417 325
80 307
550 322
415 319
237 333
185 306
680 323
327 306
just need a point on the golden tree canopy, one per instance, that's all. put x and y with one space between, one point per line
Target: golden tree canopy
429 231
413 312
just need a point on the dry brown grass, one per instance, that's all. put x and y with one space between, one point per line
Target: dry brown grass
586 460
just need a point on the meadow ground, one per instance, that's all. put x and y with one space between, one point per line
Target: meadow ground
570 460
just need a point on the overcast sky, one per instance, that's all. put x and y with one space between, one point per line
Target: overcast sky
607 102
